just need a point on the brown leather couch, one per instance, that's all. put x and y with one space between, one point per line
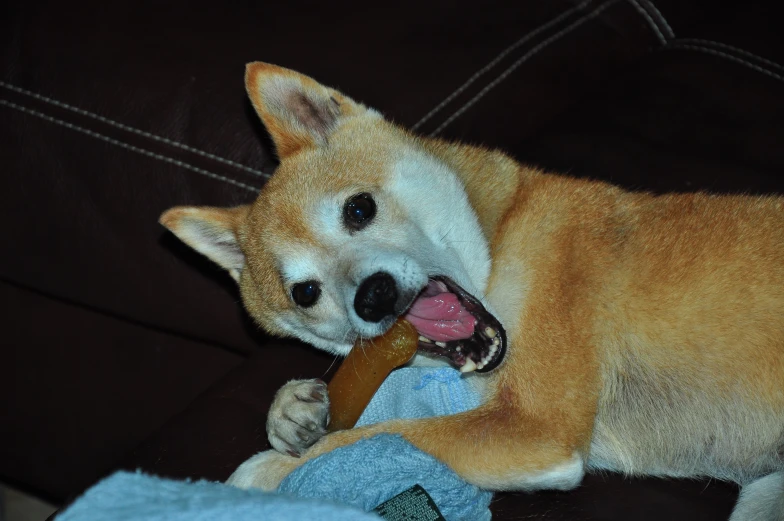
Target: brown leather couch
121 348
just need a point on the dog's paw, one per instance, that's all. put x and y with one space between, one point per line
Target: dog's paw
298 416
266 470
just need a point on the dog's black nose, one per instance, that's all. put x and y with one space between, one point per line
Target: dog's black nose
376 297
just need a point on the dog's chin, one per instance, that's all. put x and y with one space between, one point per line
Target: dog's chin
364 329
340 348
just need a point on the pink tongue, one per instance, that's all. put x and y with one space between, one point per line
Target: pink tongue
441 317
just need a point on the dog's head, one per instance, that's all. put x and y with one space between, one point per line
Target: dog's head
359 224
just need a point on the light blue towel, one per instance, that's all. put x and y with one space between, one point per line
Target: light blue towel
127 496
371 471
368 472
421 392
342 484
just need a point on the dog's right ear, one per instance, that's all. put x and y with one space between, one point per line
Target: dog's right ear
213 232
298 111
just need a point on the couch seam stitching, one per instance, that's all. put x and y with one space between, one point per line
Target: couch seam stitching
130 129
730 48
127 146
660 18
651 22
729 57
500 56
535 50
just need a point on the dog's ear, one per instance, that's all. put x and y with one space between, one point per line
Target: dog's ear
298 111
213 232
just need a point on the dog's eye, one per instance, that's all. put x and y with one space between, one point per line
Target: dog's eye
359 211
305 294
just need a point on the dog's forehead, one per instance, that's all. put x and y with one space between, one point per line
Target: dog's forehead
305 193
299 207
302 183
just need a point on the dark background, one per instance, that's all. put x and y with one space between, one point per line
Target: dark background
120 347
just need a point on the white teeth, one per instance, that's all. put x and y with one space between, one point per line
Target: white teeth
490 332
458 349
469 366
441 344
496 341
486 359
426 340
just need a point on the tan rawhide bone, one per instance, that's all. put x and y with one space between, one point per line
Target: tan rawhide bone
365 369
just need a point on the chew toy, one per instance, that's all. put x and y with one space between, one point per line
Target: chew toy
364 370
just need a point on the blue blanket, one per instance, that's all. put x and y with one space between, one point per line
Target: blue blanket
126 496
386 465
343 484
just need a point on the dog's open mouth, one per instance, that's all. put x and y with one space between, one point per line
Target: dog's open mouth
454 324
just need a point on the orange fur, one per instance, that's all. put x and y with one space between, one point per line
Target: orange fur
618 306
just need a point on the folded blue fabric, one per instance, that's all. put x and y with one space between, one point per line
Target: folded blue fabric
421 392
371 471
341 485
127 496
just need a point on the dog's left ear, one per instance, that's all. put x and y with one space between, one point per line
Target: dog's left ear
213 232
298 111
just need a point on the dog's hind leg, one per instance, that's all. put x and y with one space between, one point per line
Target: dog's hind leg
761 500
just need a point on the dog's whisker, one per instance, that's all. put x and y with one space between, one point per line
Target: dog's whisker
330 365
446 234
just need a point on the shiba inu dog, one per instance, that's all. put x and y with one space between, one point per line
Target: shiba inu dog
610 330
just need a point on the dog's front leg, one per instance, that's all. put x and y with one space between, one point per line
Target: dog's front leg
493 447
533 432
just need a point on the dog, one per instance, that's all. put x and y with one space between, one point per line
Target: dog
608 330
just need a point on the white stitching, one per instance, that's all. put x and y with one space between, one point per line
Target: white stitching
535 50
126 146
497 59
726 56
133 130
650 20
660 17
731 48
